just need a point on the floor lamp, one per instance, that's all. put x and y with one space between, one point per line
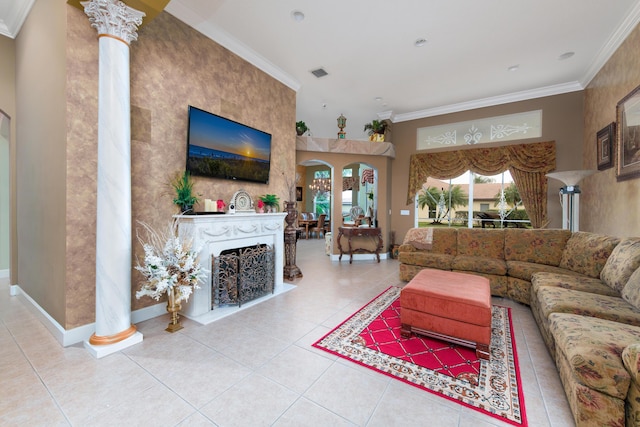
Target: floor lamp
570 196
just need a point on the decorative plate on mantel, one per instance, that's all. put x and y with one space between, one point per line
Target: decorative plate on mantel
242 201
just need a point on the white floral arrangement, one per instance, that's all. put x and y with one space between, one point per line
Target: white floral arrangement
169 262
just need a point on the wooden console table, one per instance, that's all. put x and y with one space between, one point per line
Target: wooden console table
350 232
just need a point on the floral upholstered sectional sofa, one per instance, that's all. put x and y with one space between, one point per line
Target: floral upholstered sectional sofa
584 293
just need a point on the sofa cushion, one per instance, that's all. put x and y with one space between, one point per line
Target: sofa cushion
587 253
558 300
593 348
538 246
571 281
479 264
623 261
631 291
524 270
426 259
443 240
631 360
482 243
519 290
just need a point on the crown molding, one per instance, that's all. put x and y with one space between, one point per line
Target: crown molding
489 102
617 38
15 16
387 115
224 39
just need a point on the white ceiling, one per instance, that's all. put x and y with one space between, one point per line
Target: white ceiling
367 47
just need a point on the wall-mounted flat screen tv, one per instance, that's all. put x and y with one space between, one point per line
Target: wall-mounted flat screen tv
221 148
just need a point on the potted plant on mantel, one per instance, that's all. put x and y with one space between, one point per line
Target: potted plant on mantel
301 128
271 202
183 186
376 130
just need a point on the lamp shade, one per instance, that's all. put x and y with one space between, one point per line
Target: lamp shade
571 178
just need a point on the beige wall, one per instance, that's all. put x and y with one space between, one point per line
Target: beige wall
562 122
172 66
608 206
8 235
41 156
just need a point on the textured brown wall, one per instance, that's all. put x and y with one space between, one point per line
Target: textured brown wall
561 122
172 66
608 206
82 150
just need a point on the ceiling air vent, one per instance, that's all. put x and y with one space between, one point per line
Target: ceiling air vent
320 72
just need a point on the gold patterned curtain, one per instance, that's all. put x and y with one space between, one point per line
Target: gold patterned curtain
528 164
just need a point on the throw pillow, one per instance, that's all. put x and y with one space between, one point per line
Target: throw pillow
586 253
631 291
623 261
419 238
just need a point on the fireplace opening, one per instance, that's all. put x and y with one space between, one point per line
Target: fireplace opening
242 274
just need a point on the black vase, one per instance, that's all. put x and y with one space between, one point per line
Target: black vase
186 210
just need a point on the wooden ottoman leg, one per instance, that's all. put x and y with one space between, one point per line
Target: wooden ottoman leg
405 330
482 351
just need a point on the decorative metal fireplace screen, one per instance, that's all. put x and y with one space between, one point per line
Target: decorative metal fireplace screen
243 274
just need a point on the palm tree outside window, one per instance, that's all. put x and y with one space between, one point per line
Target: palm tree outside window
460 200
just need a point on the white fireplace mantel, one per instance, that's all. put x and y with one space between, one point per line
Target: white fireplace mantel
216 233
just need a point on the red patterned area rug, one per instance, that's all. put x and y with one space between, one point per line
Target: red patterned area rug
371 337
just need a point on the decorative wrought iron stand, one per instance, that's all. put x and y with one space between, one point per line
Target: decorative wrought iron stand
291 270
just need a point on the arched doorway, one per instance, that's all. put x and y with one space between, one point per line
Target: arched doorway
315 179
359 192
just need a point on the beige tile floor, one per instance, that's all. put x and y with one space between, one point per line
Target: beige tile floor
254 368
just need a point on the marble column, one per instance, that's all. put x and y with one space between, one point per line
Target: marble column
116 24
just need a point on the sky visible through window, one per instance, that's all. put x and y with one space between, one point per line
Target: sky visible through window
464 178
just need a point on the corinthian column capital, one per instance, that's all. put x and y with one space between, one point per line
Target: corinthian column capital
114 18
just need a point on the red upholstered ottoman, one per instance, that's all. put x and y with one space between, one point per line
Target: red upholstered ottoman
455 307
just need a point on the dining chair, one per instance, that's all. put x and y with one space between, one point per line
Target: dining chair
319 227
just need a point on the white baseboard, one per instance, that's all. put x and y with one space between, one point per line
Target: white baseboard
63 336
4 274
150 312
81 333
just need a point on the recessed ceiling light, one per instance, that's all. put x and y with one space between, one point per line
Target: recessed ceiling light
514 67
377 98
420 42
297 16
566 55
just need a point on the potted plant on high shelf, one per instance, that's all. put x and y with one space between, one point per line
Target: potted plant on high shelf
301 128
183 186
271 202
376 130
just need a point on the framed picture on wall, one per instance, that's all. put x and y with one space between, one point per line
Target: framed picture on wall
604 141
628 136
298 194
